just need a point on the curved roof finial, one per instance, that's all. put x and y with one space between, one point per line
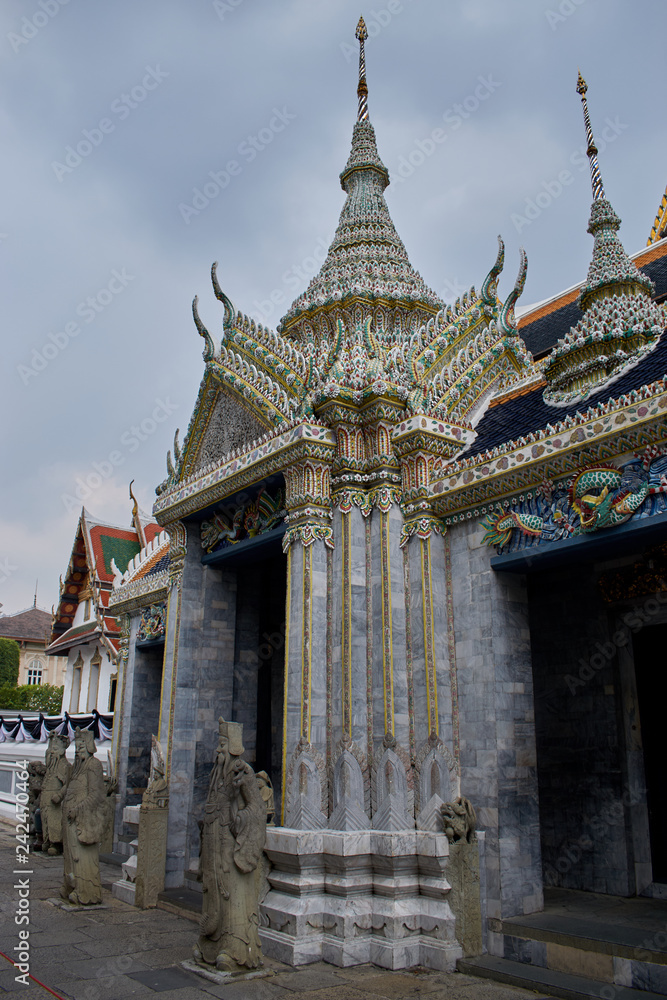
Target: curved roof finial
135 507
591 152
362 90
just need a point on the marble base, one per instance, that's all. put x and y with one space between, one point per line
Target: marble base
125 891
214 976
352 897
62 904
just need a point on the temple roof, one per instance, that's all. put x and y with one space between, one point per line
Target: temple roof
544 323
517 414
98 548
32 624
659 228
367 263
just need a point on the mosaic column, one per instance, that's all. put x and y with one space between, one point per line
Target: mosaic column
420 442
308 543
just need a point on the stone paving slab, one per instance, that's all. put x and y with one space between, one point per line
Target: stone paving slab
116 953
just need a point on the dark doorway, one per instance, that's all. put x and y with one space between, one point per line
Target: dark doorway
649 650
259 660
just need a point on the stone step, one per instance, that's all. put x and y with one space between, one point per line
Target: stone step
625 939
183 902
548 982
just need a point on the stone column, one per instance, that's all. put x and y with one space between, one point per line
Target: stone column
197 688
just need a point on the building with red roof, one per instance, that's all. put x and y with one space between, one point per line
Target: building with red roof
83 629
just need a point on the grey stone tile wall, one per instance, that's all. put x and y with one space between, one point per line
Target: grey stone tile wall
498 762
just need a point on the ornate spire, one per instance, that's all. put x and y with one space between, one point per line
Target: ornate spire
367 264
592 151
620 321
362 90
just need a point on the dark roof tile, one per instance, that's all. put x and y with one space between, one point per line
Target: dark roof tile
521 415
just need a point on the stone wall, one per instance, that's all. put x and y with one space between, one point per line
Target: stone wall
496 722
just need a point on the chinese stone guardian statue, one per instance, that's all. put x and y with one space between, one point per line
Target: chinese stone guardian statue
54 786
232 842
83 820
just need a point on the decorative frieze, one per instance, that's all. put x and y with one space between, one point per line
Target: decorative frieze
596 497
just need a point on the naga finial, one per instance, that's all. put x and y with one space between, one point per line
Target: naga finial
209 350
490 284
592 151
135 508
507 319
362 89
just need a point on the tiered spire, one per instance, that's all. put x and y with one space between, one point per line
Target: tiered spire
367 264
620 322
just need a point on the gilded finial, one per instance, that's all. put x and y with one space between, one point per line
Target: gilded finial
362 90
135 508
591 152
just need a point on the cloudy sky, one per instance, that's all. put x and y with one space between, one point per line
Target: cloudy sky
144 140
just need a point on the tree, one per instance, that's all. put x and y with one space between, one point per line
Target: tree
9 661
46 698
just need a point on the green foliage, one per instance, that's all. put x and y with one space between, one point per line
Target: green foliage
46 698
9 661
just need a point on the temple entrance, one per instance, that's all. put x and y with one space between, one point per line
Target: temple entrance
595 670
259 658
649 652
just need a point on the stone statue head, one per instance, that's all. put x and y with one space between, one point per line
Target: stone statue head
230 737
58 744
84 743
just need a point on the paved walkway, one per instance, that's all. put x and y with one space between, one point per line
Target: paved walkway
121 952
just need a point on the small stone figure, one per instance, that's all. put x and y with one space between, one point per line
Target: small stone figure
266 791
54 786
460 820
36 772
232 842
157 792
83 820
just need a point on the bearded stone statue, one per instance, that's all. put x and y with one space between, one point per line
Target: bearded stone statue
83 822
54 786
232 842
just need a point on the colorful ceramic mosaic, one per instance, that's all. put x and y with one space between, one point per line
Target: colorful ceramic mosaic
152 623
596 497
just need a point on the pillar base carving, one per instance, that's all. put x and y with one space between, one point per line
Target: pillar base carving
352 897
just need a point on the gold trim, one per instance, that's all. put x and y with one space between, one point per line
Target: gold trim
288 605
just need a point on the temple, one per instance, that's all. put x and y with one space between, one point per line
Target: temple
83 630
424 567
